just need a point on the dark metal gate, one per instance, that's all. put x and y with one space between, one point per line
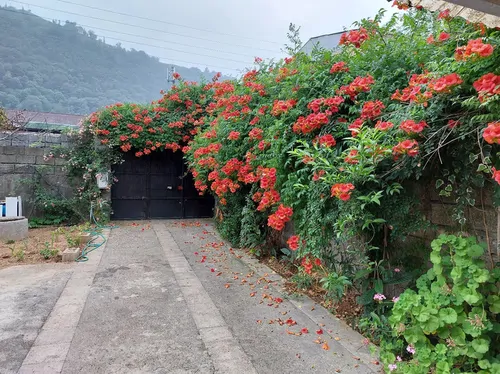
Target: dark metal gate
156 186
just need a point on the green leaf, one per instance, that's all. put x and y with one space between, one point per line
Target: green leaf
439 183
494 302
435 258
431 325
442 367
484 364
440 349
475 251
480 345
286 251
448 315
423 316
482 168
378 286
458 335
471 297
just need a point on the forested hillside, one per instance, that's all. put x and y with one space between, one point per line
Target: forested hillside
52 67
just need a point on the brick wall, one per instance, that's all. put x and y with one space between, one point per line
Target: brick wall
21 157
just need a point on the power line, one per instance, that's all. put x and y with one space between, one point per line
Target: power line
161 40
168 59
177 50
165 22
160 58
141 27
141 36
173 49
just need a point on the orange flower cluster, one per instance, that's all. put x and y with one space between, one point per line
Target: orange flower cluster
212 148
487 85
444 36
496 175
312 122
358 85
492 133
293 242
351 158
327 140
474 49
331 104
339 67
234 135
278 219
411 127
354 37
308 265
318 174
372 109
256 133
413 93
267 199
232 166
408 147
446 83
342 191
384 126
282 106
355 126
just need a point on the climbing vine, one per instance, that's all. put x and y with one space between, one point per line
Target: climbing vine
328 147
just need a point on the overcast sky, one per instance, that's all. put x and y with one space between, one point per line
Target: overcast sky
223 35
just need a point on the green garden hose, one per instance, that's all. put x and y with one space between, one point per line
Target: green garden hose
95 234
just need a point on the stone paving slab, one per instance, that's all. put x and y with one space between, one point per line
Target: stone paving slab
166 297
270 346
28 294
49 350
136 319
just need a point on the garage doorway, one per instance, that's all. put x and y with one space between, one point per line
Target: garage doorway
156 186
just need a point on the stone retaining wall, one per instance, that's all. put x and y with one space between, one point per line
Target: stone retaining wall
22 157
483 219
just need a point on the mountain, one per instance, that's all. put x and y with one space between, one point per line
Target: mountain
52 67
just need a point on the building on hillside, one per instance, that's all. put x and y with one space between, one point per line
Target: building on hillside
36 121
477 11
327 41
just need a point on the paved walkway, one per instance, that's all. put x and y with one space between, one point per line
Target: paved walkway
167 297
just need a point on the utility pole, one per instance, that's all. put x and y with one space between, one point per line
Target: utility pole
170 75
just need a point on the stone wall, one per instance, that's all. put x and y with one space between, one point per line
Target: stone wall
22 157
482 219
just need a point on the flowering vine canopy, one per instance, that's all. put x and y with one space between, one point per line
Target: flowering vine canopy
417 97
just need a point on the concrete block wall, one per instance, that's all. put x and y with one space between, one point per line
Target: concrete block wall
22 157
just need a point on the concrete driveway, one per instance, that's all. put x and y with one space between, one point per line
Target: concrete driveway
167 297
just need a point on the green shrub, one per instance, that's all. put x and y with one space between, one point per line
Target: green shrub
451 324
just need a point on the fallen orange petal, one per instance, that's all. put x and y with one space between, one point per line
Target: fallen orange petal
325 346
252 294
227 285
